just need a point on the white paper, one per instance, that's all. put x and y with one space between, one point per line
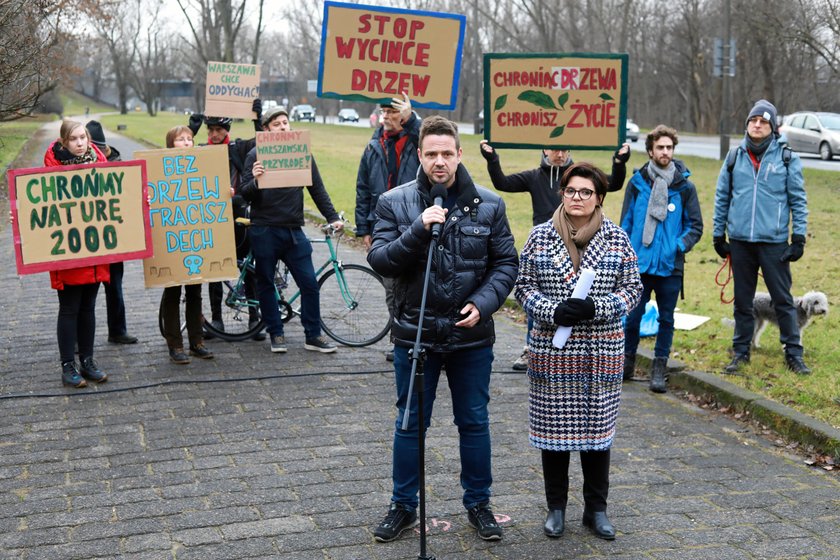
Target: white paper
584 283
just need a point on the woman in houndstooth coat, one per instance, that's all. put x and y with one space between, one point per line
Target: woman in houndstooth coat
575 391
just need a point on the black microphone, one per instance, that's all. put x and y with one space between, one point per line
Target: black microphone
438 194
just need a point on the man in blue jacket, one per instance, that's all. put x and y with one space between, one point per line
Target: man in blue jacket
661 215
760 191
474 266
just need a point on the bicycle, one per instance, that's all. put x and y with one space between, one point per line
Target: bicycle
354 311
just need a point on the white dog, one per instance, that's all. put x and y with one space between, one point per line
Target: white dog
807 307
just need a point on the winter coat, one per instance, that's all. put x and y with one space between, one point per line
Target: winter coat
283 207
674 237
372 178
761 203
474 261
82 274
543 183
575 391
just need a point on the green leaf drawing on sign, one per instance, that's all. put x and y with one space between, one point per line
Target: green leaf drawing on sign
561 101
557 132
606 97
537 98
500 102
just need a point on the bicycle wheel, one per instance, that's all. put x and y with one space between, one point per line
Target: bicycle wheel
357 315
241 317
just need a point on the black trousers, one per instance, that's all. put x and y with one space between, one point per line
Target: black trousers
747 259
596 478
76 320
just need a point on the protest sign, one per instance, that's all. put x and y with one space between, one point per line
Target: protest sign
561 101
231 89
286 157
371 53
79 215
191 216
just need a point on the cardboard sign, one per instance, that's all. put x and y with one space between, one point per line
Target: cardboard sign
561 101
371 53
79 215
231 90
191 216
286 157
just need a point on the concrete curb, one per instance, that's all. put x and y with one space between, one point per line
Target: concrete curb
780 418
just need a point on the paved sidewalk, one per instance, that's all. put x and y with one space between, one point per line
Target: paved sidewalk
254 455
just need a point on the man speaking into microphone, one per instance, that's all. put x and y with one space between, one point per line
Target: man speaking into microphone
474 266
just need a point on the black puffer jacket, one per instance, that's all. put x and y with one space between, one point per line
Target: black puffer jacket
475 261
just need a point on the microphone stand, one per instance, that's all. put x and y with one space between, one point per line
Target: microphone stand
417 382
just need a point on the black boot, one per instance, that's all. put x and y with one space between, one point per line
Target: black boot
555 523
70 375
659 375
629 366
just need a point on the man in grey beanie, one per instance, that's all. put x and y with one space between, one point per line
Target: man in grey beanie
760 200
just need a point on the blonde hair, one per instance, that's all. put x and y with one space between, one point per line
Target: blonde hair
67 128
174 133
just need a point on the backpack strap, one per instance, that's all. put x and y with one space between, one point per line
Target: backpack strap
731 158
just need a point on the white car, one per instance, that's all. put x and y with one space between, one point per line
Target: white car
632 131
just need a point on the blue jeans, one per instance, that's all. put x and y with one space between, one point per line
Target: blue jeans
746 259
667 290
270 244
468 375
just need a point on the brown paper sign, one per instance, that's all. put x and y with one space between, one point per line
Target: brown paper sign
369 53
576 100
231 89
191 216
79 215
286 157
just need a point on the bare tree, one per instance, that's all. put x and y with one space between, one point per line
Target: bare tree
151 46
117 31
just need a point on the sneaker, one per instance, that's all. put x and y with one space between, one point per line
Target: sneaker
481 518
90 371
398 519
201 351
320 344
178 356
796 365
734 367
521 363
260 334
278 344
70 375
123 339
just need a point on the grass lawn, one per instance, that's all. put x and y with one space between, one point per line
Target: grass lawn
339 149
75 104
14 134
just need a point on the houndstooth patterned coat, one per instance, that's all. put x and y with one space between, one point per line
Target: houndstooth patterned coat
575 391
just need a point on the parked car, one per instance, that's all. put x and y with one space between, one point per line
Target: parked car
813 133
347 114
303 113
632 131
478 125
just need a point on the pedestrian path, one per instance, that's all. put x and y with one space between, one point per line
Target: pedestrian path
255 455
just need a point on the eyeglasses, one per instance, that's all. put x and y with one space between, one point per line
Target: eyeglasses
584 194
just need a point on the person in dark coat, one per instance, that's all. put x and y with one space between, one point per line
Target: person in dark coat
473 269
543 184
117 328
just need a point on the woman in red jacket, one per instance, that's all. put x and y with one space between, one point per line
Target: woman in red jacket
76 287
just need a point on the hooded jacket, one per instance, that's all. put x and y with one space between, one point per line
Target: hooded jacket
543 183
676 235
82 274
372 178
762 202
474 260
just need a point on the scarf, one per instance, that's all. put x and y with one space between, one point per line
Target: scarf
657 208
576 240
393 143
64 155
759 148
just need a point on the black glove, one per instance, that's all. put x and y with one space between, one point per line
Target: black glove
196 119
621 158
562 316
795 250
580 309
256 107
721 246
489 156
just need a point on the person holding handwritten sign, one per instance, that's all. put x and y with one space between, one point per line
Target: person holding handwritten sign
77 287
574 391
276 234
